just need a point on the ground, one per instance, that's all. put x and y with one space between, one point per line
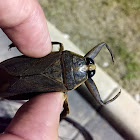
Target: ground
89 22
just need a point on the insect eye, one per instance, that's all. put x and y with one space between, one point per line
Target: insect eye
89 61
91 73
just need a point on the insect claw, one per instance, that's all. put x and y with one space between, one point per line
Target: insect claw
11 46
110 52
94 91
114 98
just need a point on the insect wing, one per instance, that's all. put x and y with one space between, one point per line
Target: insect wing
24 77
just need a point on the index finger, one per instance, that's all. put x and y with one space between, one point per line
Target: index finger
26 26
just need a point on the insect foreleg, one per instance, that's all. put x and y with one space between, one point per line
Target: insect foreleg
94 52
94 91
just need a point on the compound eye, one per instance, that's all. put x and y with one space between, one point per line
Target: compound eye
91 73
89 61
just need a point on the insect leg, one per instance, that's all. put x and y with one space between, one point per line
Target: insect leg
12 45
53 43
94 91
66 107
61 45
94 52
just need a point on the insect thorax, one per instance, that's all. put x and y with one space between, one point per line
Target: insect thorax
74 69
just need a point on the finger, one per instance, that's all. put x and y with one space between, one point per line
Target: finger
24 23
38 118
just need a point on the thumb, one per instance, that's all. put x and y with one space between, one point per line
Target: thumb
38 119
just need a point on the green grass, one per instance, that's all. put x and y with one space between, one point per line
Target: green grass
132 66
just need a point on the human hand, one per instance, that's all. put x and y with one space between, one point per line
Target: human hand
38 119
24 23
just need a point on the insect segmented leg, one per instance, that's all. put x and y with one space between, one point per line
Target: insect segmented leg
12 45
53 43
94 52
66 107
61 45
94 91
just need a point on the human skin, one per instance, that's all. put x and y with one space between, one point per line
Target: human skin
24 23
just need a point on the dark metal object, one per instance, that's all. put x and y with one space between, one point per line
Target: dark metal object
23 77
81 129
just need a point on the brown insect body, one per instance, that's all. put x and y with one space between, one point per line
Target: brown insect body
24 77
27 77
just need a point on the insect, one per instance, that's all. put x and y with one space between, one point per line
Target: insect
23 77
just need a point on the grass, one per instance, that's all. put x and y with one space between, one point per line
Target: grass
117 23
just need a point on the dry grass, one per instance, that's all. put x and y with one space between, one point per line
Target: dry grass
89 22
